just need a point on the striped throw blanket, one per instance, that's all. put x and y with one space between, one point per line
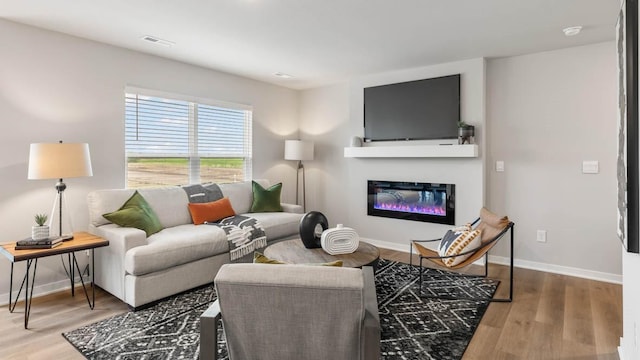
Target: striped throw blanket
245 234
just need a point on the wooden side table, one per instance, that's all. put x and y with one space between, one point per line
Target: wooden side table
81 241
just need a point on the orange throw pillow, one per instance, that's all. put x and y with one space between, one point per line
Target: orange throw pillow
211 211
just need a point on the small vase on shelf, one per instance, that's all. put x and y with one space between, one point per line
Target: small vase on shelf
466 133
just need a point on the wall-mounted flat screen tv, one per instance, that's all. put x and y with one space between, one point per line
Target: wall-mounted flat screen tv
414 110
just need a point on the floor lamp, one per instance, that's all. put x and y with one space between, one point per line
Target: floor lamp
299 150
58 161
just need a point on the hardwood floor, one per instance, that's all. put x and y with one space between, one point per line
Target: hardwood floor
51 315
552 317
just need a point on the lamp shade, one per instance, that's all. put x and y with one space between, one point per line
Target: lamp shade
59 160
298 150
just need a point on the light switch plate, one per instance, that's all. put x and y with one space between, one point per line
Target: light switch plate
499 166
590 167
541 236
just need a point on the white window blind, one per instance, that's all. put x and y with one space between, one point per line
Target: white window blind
173 141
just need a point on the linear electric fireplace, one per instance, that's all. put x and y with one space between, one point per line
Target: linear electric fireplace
426 202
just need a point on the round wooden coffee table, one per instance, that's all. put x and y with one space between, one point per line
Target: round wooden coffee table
294 252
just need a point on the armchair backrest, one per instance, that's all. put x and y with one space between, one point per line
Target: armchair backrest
292 311
491 225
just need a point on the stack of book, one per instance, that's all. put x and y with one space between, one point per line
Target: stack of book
48 243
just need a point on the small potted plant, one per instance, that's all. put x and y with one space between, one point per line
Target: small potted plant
466 133
40 231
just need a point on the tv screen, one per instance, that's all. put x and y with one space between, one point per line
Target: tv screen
414 110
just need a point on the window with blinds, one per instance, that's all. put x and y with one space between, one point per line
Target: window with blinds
175 142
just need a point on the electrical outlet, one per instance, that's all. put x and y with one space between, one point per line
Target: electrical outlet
541 236
500 166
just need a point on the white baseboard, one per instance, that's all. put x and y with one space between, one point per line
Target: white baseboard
525 264
628 350
559 269
620 350
41 290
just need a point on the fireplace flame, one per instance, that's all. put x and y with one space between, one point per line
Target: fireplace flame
417 209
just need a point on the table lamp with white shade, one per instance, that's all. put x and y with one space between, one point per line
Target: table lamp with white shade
299 150
59 161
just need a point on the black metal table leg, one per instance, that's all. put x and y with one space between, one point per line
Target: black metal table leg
71 274
11 288
86 293
93 278
13 303
28 295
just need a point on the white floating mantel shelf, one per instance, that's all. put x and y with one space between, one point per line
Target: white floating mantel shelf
413 151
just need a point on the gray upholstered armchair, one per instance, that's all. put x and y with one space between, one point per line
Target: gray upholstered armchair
293 312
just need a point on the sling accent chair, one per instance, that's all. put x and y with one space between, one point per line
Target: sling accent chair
492 228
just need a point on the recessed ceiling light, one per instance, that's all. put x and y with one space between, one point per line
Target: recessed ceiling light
572 31
158 41
283 75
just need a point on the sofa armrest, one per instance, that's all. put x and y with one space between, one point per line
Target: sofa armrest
209 332
292 208
109 260
121 239
371 331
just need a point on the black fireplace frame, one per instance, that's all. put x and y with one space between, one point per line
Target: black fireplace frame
448 219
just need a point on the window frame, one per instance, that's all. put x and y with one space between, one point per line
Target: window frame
193 156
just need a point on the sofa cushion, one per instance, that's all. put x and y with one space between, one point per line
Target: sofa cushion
170 203
105 201
211 211
278 224
175 246
136 213
266 200
241 194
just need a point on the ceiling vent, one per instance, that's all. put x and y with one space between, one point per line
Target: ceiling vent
158 41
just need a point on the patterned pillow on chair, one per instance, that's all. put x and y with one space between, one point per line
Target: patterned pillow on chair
454 243
450 236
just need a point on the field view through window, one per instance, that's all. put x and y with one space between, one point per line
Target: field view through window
153 172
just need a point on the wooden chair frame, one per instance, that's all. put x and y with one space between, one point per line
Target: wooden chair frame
476 253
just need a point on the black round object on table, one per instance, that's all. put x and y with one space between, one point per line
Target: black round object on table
311 227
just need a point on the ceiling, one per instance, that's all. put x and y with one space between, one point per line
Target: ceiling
319 42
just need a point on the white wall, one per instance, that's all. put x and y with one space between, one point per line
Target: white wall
324 119
56 87
629 342
338 186
546 113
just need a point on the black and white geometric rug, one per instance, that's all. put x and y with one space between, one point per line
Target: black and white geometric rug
413 327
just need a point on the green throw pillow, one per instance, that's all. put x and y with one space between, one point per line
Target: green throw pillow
259 258
266 200
136 213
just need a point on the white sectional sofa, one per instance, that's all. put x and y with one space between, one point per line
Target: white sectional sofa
139 269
